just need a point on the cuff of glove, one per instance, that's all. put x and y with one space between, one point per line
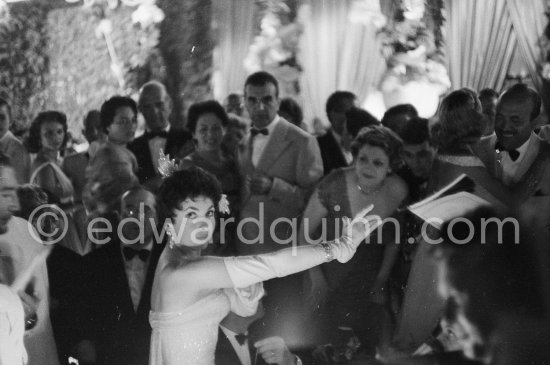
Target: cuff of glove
329 253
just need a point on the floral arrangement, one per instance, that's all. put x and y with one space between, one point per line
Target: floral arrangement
410 50
274 49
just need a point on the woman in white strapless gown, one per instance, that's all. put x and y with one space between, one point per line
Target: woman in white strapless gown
192 293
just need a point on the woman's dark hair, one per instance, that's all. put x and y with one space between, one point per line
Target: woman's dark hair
415 131
198 109
357 118
110 107
186 184
293 109
33 142
381 137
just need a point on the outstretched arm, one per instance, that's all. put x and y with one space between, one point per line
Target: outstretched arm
214 273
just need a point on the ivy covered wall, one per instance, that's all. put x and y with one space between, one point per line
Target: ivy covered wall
186 45
59 59
23 62
80 76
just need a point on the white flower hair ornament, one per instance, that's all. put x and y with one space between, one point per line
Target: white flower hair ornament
168 166
223 205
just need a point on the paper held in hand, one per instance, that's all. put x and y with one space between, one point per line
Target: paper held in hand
452 201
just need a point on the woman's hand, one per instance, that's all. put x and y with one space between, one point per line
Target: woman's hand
361 226
353 233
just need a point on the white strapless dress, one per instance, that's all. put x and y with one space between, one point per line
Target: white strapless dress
189 337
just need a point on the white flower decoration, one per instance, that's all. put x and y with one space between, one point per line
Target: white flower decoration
166 166
223 205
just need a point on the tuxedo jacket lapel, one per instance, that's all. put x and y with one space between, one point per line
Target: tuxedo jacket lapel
145 300
225 353
120 280
140 148
246 168
276 145
530 156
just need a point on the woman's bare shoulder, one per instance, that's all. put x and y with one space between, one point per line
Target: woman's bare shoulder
396 186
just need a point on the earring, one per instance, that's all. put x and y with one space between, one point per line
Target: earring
170 240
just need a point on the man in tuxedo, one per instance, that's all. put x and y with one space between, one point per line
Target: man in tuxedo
118 288
332 144
155 105
515 155
12 146
279 164
237 344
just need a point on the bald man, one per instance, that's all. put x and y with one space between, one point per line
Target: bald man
118 289
156 105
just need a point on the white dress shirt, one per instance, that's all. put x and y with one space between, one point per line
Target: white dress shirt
155 145
260 141
136 272
510 167
242 351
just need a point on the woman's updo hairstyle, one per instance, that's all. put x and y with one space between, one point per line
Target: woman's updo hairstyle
383 138
191 183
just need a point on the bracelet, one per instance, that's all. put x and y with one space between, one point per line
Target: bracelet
329 254
30 322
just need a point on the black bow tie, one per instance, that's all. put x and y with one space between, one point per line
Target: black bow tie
241 338
153 134
130 253
514 154
256 131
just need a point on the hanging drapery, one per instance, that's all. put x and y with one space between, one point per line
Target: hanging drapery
528 20
336 55
479 43
234 28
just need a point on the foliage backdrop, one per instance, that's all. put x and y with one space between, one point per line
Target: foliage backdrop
80 76
23 62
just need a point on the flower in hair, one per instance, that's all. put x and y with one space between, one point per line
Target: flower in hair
223 205
166 166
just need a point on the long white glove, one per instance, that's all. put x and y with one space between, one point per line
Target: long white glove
247 270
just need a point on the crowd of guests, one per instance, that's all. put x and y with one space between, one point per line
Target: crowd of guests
399 300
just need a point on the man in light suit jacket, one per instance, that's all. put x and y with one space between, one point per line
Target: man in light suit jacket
155 105
515 155
12 147
279 164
